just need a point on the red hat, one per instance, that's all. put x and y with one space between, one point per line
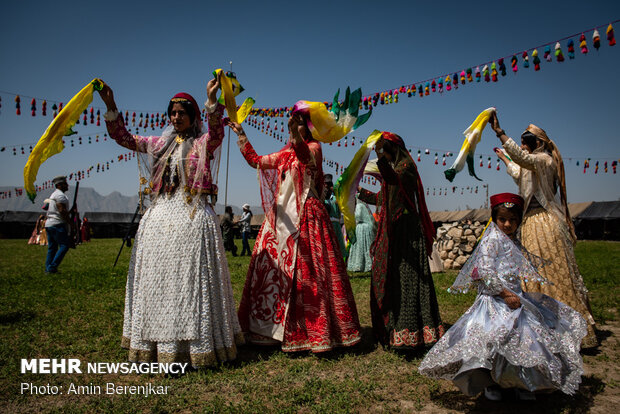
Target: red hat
508 199
182 96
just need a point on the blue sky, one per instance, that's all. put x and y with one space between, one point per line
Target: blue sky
286 51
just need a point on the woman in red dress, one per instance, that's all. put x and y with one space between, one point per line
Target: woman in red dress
297 290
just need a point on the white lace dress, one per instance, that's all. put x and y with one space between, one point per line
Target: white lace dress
179 304
534 347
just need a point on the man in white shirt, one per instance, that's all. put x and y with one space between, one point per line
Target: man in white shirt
57 225
246 229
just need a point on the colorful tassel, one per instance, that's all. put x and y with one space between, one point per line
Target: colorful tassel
611 38
547 53
514 63
526 60
502 66
44 108
558 52
448 83
536 60
596 39
469 77
463 79
583 45
478 74
436 159
18 109
440 83
571 49
33 107
493 72
485 72
455 81
427 88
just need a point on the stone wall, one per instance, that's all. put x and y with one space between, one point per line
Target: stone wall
456 241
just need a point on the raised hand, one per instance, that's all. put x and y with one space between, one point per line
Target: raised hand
107 96
212 87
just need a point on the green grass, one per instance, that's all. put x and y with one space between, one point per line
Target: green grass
78 313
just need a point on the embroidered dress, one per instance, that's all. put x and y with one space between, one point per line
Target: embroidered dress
365 230
403 304
544 232
179 303
297 290
534 347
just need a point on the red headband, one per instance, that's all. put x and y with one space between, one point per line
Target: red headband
507 198
182 96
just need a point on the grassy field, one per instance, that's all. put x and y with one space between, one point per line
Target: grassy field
78 313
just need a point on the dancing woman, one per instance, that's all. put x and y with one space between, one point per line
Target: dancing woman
547 230
179 305
403 304
297 290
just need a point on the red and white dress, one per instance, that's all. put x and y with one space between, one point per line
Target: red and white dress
297 289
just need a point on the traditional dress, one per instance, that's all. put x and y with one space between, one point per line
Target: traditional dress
179 303
403 303
546 230
297 290
360 259
534 347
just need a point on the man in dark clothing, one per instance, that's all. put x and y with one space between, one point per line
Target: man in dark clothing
227 231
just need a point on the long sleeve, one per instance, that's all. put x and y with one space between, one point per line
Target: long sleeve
216 128
116 128
513 170
367 196
262 162
486 272
519 156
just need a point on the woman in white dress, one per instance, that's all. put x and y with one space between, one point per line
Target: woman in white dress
179 304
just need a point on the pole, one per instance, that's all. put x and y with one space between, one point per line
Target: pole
486 200
227 159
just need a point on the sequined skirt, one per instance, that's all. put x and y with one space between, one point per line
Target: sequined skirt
535 347
544 235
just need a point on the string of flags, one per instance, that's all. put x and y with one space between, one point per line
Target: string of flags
490 71
444 191
275 129
487 71
77 175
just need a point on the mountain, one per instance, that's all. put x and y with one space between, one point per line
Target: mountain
91 200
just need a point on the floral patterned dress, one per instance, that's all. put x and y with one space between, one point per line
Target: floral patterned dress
297 290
